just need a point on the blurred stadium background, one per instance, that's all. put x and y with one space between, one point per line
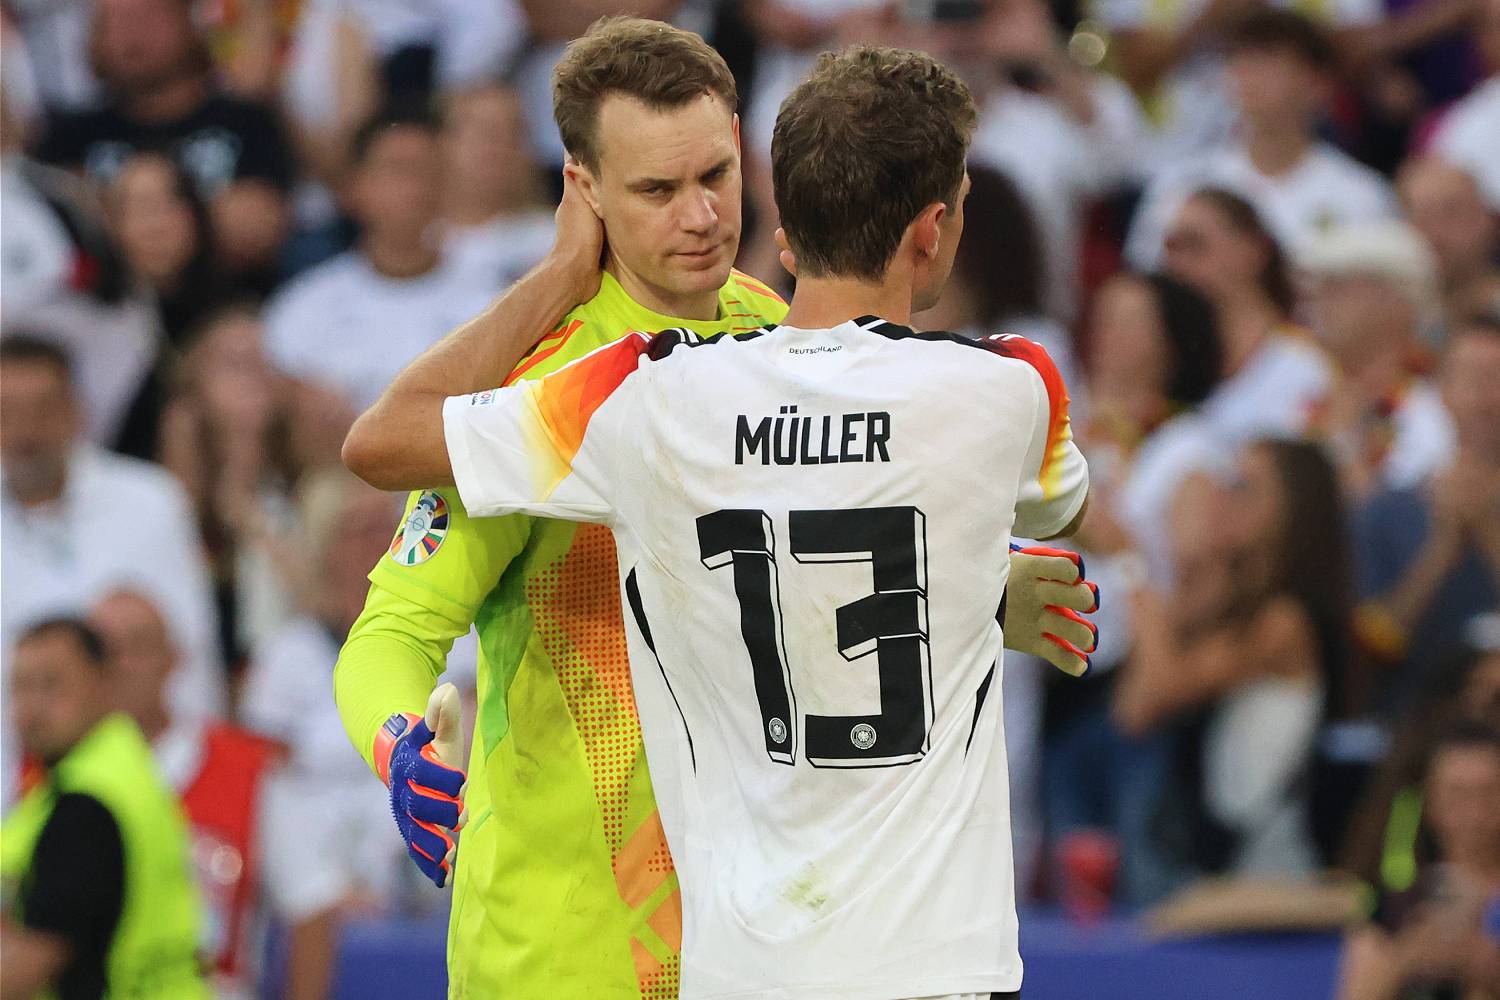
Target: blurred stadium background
1262 241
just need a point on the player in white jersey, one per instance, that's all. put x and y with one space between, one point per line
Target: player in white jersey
812 564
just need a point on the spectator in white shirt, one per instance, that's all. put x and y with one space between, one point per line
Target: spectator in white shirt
1374 287
1276 381
346 862
1279 65
1172 56
1156 356
1470 133
355 321
495 222
1066 135
345 53
56 34
1446 206
76 522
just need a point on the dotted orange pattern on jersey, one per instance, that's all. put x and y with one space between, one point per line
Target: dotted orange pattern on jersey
576 606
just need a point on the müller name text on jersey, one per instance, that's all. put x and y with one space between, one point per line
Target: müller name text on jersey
791 439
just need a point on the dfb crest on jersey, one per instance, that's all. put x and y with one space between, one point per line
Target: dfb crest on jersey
777 729
422 533
862 736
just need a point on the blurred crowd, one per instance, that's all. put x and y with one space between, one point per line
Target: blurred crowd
1261 239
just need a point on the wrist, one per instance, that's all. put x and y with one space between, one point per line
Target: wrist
386 738
1486 529
1445 542
572 273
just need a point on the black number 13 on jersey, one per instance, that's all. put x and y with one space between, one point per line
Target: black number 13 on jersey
891 623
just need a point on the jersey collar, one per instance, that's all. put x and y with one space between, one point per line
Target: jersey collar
648 320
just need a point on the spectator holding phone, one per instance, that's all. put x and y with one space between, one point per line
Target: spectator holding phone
1431 940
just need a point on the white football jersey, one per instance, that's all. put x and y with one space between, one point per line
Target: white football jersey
813 530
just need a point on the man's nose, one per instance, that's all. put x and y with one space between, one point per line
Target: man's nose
699 214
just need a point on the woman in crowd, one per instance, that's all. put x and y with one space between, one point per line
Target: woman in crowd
165 236
164 231
1155 356
1388 843
1275 379
1439 938
239 435
1240 656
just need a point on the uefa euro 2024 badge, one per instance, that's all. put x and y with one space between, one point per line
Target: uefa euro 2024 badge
423 532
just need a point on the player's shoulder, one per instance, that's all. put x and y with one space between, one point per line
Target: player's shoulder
751 299
584 329
1019 348
678 343
1005 346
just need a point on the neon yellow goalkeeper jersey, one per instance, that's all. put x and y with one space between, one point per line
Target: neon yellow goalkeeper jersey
564 886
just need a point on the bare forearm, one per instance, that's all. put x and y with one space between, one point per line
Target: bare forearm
1412 28
1073 525
398 443
1146 55
1410 599
1488 538
33 960
1142 699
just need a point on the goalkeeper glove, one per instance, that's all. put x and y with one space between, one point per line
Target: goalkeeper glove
415 757
1045 603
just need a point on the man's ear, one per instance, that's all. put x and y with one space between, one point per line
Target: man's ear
928 231
587 183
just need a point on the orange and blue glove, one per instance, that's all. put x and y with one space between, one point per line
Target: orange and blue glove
1045 604
416 757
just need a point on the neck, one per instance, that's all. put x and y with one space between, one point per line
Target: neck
153 722
1247 322
1275 148
1483 868
1376 366
702 305
824 302
36 493
400 258
169 100
1475 278
469 205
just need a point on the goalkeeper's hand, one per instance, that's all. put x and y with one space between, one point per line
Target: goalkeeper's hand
416 758
1045 603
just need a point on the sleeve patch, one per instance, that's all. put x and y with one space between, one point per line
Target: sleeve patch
423 531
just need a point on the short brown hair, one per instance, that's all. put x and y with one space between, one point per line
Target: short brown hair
873 137
1282 31
659 65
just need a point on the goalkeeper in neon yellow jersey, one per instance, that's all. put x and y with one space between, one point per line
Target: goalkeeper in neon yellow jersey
564 886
